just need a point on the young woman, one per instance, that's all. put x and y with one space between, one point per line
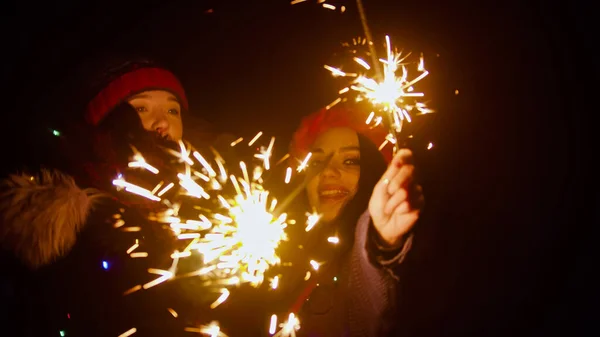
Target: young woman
64 276
370 208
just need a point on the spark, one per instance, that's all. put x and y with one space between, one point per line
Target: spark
289 327
224 295
129 187
273 324
236 142
312 219
304 163
288 175
133 289
430 146
128 332
255 138
315 264
212 330
140 162
138 254
133 247
173 312
333 239
275 282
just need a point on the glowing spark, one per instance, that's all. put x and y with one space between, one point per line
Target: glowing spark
332 104
140 162
333 239
311 221
429 146
211 330
265 155
120 182
138 254
255 138
307 276
164 190
205 164
132 229
304 163
362 63
328 6
128 332
173 312
221 299
275 282
132 290
236 142
133 247
289 327
165 276
119 223
288 175
273 324
315 264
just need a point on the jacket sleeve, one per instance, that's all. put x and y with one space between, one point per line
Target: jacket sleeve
373 281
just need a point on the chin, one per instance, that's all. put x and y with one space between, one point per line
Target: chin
329 215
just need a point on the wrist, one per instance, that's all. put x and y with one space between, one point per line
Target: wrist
386 244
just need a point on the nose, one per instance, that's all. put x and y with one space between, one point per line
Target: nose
330 170
161 123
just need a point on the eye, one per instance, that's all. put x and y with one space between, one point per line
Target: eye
174 112
141 109
352 161
315 163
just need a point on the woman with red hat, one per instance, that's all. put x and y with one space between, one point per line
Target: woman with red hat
369 200
63 274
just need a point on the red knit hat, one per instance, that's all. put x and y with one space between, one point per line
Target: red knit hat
338 116
133 81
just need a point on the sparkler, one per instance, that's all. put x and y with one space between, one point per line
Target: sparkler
234 225
392 94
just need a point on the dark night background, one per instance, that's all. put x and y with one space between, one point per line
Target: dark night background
506 245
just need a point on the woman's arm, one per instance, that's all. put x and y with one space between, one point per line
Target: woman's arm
373 282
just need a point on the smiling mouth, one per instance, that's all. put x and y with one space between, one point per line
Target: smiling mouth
332 196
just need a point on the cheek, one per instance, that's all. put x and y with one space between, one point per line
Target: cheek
351 182
312 193
176 127
146 119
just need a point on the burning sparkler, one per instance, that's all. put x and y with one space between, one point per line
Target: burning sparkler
393 94
234 226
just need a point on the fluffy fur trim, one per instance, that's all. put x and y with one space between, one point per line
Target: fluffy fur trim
41 216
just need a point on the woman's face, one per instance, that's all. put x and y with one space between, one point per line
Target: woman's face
337 182
160 112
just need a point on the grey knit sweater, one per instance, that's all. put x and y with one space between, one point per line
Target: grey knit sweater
356 297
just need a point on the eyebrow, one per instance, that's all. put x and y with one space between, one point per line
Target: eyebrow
173 99
139 96
341 149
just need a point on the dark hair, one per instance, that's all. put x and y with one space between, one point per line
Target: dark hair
372 167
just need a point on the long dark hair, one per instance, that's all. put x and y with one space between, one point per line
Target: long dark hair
372 166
